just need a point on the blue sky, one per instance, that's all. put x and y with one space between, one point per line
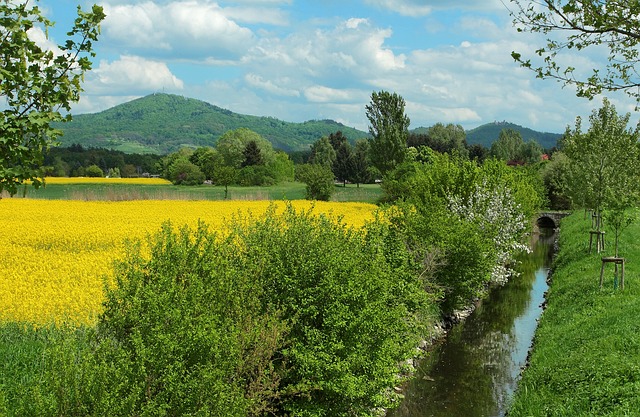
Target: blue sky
300 60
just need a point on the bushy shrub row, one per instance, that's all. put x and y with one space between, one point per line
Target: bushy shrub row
290 314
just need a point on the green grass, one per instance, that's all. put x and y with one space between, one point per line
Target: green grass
21 351
369 193
586 356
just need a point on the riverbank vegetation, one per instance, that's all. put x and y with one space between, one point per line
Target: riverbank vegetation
586 350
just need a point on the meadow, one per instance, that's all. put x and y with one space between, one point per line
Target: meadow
586 355
56 253
119 189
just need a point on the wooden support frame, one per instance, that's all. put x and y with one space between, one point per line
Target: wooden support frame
599 234
616 261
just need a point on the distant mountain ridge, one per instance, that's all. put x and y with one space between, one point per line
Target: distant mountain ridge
486 134
163 123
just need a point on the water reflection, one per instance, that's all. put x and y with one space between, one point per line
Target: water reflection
474 372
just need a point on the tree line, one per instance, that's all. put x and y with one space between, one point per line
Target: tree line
78 161
243 157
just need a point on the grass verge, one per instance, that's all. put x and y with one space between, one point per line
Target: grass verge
586 355
366 193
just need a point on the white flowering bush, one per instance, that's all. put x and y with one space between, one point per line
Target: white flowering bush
468 221
494 210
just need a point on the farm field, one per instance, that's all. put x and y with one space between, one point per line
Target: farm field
57 253
117 189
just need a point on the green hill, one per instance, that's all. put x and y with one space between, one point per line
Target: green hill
162 123
486 134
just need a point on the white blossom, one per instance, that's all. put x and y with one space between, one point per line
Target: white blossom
496 213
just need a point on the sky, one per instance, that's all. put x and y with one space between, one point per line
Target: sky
299 60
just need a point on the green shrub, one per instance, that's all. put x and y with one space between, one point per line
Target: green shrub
259 175
355 305
189 334
94 171
184 172
319 180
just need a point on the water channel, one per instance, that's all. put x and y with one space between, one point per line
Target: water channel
475 370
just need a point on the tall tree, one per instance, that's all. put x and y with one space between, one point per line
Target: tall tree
318 179
448 138
361 173
343 166
35 83
232 144
225 175
337 140
389 128
531 152
584 25
207 159
252 154
477 152
322 152
509 145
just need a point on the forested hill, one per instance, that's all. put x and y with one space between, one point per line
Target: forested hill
486 134
162 123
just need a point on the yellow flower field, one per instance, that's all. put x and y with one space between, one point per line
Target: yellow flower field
54 254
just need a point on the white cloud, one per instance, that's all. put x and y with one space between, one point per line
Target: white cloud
404 7
418 8
261 2
354 22
185 29
326 65
133 74
480 28
38 36
252 15
271 86
353 49
322 94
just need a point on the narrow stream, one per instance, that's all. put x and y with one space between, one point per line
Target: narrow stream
474 372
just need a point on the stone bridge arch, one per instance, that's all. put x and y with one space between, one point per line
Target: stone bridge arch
550 219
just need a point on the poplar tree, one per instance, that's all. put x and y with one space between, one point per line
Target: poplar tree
389 128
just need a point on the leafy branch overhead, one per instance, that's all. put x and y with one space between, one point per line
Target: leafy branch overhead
36 84
582 24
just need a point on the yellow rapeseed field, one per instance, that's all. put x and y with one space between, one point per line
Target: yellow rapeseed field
54 254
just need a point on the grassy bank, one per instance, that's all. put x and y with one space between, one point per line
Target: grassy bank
586 356
116 192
